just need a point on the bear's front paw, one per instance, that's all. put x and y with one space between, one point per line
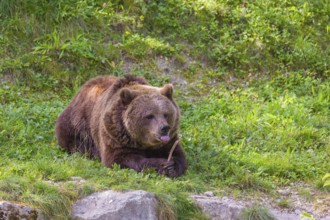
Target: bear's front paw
168 169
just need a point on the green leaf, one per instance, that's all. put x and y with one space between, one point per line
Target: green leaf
326 184
326 177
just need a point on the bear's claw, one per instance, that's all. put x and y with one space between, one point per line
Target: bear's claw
168 169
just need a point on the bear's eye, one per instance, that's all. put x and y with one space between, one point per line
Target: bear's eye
165 116
149 117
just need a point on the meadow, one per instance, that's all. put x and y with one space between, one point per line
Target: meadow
252 80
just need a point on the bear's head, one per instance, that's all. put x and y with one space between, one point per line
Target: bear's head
151 116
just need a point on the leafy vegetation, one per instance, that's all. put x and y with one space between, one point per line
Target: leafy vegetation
252 82
326 180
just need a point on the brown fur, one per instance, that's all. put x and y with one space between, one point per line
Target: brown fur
122 120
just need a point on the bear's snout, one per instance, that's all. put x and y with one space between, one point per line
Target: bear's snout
164 129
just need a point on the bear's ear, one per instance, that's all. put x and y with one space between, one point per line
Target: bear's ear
127 95
167 90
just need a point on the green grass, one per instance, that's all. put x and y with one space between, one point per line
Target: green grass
255 110
253 138
256 213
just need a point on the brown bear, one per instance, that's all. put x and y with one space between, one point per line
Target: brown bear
124 121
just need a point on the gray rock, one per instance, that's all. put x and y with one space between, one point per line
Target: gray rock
9 211
297 211
284 192
77 179
217 208
111 205
293 216
209 193
225 208
284 215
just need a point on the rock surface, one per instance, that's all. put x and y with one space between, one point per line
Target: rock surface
139 204
217 208
10 211
113 205
225 208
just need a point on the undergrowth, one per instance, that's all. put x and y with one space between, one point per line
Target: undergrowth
251 79
66 39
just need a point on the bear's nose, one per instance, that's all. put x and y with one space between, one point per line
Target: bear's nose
164 129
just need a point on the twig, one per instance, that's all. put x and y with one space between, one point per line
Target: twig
172 149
